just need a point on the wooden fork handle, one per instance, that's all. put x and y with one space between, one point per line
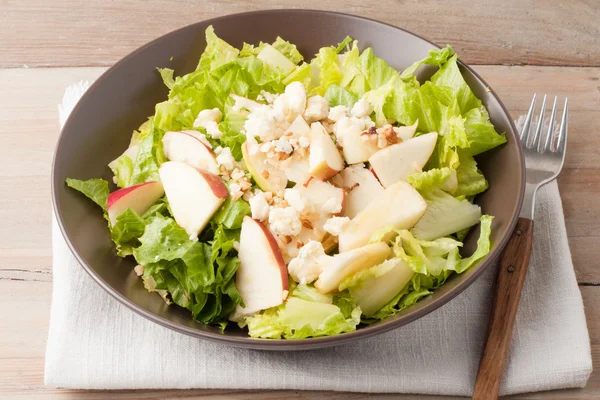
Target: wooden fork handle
509 284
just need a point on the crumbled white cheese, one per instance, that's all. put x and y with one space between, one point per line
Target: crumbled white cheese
209 120
350 124
303 141
284 221
264 122
308 264
235 190
269 97
361 108
214 115
283 145
335 225
259 206
242 103
337 113
294 199
292 102
316 109
332 206
224 158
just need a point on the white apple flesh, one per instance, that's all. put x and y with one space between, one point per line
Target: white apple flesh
398 161
318 195
375 293
400 206
342 265
299 127
184 147
193 194
296 170
355 149
266 176
273 57
138 197
407 132
362 187
325 159
261 278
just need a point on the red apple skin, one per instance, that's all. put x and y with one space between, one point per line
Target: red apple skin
117 194
276 252
216 184
203 144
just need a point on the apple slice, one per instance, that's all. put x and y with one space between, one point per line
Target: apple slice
406 132
363 187
267 177
342 265
397 162
273 57
291 249
299 127
375 293
262 278
184 147
194 194
355 149
297 170
138 197
400 206
325 159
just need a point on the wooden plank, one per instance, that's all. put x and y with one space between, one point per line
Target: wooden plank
98 33
28 103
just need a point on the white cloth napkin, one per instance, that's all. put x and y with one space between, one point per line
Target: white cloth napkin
94 342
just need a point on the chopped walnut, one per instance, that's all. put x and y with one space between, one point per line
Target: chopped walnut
299 244
390 134
237 174
307 224
265 174
287 239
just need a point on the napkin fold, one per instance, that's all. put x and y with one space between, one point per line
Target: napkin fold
94 342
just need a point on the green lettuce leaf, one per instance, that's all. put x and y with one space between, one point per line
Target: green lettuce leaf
197 275
232 213
481 133
94 189
287 49
126 231
326 68
436 57
306 314
445 215
469 178
429 180
167 77
123 170
483 245
338 96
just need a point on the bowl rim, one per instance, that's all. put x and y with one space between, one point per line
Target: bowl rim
287 344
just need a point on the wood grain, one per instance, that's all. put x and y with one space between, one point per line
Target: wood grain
28 116
75 33
512 271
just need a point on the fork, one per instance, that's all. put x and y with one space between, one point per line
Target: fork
544 158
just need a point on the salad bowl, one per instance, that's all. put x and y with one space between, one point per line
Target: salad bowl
98 131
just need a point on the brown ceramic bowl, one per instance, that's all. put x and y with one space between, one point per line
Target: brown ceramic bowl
100 127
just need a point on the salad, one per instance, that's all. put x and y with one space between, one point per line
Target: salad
300 198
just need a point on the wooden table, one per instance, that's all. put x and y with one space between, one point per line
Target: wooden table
519 47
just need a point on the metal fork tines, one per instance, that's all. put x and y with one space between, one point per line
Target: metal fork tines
544 150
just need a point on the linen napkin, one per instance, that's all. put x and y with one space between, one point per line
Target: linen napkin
94 342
